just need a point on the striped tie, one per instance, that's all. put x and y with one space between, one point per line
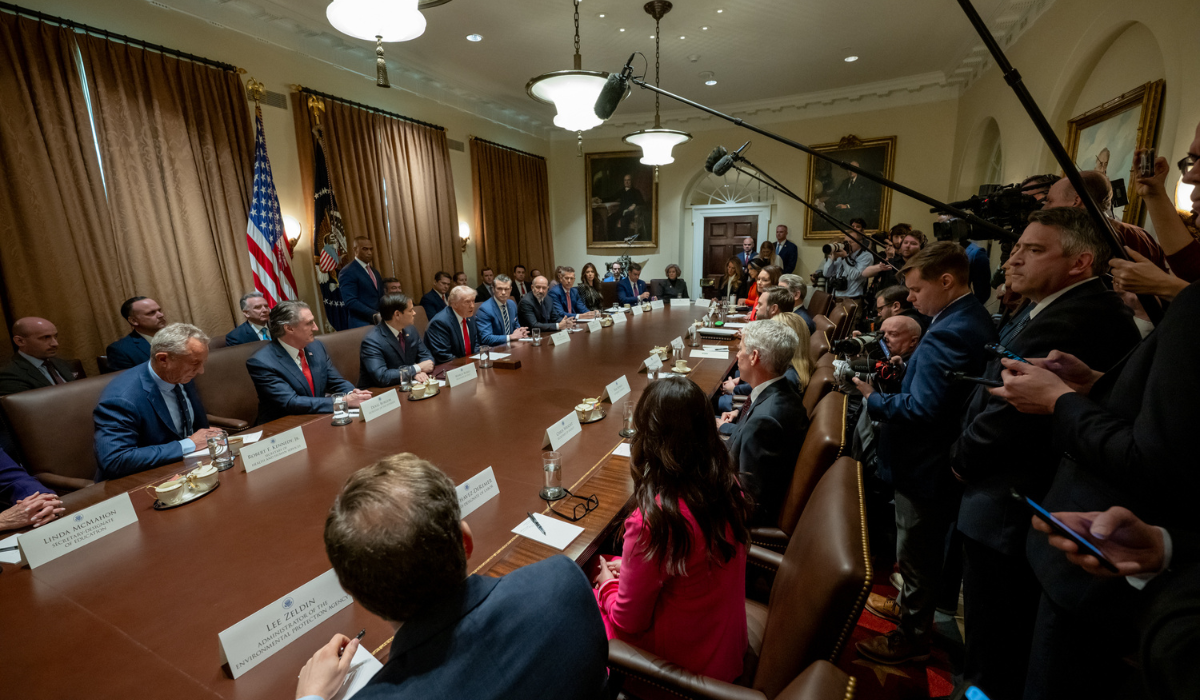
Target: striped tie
1015 325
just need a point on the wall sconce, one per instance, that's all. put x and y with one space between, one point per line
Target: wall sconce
293 229
464 233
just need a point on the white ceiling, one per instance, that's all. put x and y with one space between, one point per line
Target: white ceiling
759 50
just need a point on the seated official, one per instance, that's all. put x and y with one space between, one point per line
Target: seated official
733 282
565 295
392 351
454 332
772 302
360 284
258 313
391 285
673 287
24 499
632 290
146 318
683 600
435 299
536 310
589 288
36 362
769 428
152 415
293 375
396 541
615 274
496 318
795 285
486 290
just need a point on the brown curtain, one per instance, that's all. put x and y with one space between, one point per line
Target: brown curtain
512 208
393 185
58 254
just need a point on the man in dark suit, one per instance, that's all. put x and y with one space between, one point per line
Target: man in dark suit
520 285
435 299
454 332
795 285
36 363
484 291
395 538
361 285
391 285
537 311
628 200
293 374
786 250
747 253
258 313
392 351
152 415
496 318
1055 265
766 436
632 290
917 428
565 295
146 318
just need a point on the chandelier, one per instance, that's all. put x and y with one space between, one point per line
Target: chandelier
657 143
381 20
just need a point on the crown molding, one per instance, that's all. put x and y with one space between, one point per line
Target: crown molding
1008 24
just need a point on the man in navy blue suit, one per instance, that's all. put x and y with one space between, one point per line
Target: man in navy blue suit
795 285
453 332
293 374
632 290
435 299
918 426
747 253
786 250
565 297
152 415
395 538
361 285
24 499
496 318
146 318
392 351
257 313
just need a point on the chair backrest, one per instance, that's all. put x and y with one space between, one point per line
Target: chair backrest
344 349
102 363
822 584
818 302
818 344
850 307
421 320
225 388
216 341
824 324
608 293
826 360
656 287
819 384
837 316
823 444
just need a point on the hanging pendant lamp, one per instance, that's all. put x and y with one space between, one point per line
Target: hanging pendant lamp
657 143
381 20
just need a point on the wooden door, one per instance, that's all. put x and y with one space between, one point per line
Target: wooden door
723 239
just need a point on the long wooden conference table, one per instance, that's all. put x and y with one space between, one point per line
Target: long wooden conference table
137 613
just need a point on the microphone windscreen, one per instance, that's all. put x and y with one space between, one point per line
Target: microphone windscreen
723 166
717 154
610 95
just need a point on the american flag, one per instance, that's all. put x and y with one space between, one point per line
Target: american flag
269 254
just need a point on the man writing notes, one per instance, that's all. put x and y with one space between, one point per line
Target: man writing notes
36 362
435 299
453 332
497 317
293 374
361 285
152 415
537 311
257 312
565 297
392 351
632 290
146 318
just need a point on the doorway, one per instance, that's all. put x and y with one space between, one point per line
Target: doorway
723 237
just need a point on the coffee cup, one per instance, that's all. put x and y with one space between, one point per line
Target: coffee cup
591 403
681 365
203 477
235 445
418 390
584 411
170 493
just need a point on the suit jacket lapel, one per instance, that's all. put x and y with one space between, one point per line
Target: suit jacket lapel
390 339
290 369
156 400
31 371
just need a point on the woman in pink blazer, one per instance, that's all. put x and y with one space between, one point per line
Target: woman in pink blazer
679 588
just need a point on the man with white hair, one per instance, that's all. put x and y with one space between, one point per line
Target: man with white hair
901 333
795 285
257 312
151 415
454 331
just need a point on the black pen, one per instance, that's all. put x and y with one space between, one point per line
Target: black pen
536 523
9 549
360 636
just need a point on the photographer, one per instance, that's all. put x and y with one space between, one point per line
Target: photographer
844 269
906 243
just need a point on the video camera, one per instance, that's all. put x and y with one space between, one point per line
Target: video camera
874 372
858 344
1007 206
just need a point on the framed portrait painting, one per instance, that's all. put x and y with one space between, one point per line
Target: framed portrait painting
622 201
1105 137
845 195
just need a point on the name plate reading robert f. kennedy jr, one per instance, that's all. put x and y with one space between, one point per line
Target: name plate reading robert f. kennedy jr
273 449
461 375
616 389
71 532
253 640
657 304
594 326
386 402
565 429
560 337
476 491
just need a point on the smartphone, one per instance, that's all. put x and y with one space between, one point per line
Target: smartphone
1002 352
1059 527
1145 163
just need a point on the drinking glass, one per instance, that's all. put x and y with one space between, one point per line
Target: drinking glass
537 336
218 449
341 411
485 356
627 420
552 480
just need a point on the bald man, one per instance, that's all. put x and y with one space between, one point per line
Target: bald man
36 363
1063 194
901 333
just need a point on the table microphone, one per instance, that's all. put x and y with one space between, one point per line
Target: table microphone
614 88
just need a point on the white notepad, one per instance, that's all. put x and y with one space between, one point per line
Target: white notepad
623 450
559 534
362 667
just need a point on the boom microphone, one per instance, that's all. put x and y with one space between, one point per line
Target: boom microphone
717 154
726 162
613 90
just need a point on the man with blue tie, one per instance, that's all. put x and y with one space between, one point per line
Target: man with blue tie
497 317
565 297
257 313
632 290
453 332
392 351
293 374
146 317
747 253
434 300
785 249
152 415
361 285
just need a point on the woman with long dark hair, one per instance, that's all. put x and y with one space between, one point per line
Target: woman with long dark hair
589 288
679 588
732 282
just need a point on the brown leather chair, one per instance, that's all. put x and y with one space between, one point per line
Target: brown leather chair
825 325
76 368
837 316
819 385
102 363
818 344
226 388
851 307
344 351
818 303
216 341
820 681
608 293
421 320
825 360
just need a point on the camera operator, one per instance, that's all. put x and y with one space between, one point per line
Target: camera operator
883 274
844 269
1055 264
918 426
1062 194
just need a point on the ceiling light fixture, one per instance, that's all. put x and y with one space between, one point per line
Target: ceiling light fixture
657 143
622 28
601 15
704 28
708 77
381 20
474 37
850 59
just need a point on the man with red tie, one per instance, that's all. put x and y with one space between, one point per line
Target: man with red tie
36 363
293 375
452 332
362 285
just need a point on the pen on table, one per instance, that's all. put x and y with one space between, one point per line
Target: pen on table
9 549
360 636
536 523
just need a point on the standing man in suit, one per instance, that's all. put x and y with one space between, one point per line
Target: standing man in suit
453 332
786 250
361 284
632 290
918 427
537 311
392 351
293 374
435 299
36 363
747 253
1055 265
146 318
152 415
484 291
520 286
397 542
258 314
497 317
565 295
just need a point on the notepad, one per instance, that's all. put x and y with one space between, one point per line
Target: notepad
558 533
13 557
623 450
362 667
493 355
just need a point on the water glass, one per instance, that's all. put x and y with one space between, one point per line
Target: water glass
218 449
341 410
552 478
537 336
627 420
485 356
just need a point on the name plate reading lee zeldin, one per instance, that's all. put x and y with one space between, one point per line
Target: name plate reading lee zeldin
253 640
461 375
273 449
386 402
71 532
560 338
565 429
616 389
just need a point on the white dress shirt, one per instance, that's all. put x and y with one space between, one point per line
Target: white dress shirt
168 393
415 368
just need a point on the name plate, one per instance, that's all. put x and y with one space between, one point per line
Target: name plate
652 363
273 449
657 304
594 326
711 354
565 429
560 337
253 640
616 389
386 402
461 375
619 317
71 532
476 491
677 343
637 309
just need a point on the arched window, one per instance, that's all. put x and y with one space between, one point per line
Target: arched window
734 187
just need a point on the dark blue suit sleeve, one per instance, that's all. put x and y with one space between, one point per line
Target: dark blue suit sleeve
423 354
356 290
374 364
789 256
273 389
117 451
437 339
490 328
558 299
625 292
929 391
16 483
118 358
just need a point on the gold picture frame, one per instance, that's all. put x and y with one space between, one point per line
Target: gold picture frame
615 213
845 196
1111 132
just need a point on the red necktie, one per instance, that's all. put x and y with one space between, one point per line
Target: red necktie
466 337
742 413
312 389
568 293
371 274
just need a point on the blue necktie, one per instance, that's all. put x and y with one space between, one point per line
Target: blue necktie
185 424
1015 325
264 334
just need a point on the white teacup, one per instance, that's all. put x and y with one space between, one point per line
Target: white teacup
584 411
170 493
203 477
418 390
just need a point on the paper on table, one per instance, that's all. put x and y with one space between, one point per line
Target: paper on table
13 557
558 534
494 355
246 440
711 354
526 340
362 667
735 325
622 450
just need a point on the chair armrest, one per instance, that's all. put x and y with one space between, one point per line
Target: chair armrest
63 483
770 538
625 659
820 681
228 423
765 558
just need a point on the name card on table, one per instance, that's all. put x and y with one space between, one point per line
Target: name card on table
560 338
71 532
616 389
637 309
253 640
461 375
653 363
565 429
476 491
711 354
273 449
657 304
594 326
677 343
619 317
386 402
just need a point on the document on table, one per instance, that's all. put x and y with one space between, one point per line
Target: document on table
735 325
493 355
362 667
711 354
558 534
246 440
13 557
623 450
